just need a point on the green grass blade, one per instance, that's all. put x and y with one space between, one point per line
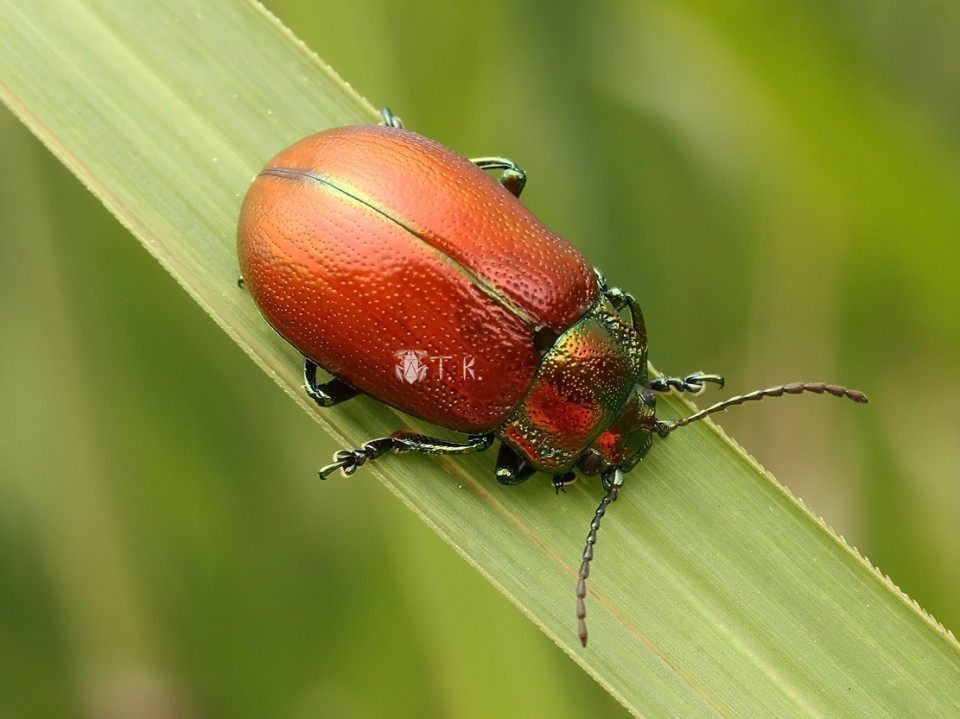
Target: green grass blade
713 593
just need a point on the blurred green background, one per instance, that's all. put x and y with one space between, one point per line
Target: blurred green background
778 183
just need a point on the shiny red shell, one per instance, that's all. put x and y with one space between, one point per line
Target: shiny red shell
361 243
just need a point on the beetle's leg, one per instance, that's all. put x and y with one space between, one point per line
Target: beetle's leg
512 177
620 300
511 467
389 119
332 392
560 481
347 460
693 383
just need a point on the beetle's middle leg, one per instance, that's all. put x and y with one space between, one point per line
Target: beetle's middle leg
347 460
512 177
511 467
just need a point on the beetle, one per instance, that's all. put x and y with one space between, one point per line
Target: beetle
380 254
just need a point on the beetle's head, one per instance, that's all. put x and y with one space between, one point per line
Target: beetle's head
624 443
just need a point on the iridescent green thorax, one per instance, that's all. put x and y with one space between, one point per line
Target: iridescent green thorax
587 383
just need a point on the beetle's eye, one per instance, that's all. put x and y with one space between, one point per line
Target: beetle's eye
590 463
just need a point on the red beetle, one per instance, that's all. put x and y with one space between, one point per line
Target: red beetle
412 275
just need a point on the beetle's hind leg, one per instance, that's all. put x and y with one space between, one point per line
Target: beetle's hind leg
347 460
511 176
331 392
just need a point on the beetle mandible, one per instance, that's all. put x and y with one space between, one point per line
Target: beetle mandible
381 255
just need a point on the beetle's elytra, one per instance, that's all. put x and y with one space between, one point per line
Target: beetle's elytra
412 275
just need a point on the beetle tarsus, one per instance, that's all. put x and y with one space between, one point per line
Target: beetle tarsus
512 177
348 460
560 481
694 383
389 119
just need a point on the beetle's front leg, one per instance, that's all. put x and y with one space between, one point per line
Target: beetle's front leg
512 177
347 460
693 383
620 299
330 392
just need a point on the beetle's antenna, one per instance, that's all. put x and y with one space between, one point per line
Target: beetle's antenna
665 427
610 496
